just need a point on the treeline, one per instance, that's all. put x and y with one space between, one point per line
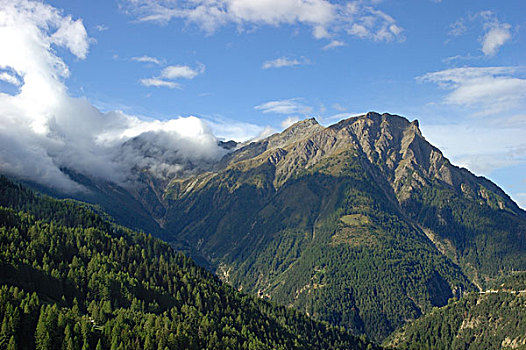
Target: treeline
71 279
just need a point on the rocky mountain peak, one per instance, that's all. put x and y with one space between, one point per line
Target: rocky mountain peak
390 147
295 132
397 151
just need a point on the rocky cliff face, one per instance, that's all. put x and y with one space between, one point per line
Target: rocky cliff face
398 149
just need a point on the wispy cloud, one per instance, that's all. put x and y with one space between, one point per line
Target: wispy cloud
169 74
326 18
101 27
156 82
334 44
482 147
289 121
495 34
458 27
284 62
182 72
487 90
289 106
229 129
147 59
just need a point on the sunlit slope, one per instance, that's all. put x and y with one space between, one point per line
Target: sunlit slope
363 224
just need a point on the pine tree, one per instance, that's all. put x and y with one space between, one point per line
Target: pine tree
12 343
42 337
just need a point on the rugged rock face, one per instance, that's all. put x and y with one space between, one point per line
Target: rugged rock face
409 162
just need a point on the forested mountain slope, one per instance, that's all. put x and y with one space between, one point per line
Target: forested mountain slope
71 279
493 319
363 224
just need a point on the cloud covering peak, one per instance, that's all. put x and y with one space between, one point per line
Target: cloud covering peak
43 130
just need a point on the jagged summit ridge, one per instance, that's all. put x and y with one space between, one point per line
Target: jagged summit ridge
390 147
397 148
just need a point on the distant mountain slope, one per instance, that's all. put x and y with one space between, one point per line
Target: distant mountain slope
71 279
363 223
495 319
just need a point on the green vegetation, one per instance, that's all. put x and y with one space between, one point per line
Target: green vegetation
516 281
328 242
71 279
492 320
488 242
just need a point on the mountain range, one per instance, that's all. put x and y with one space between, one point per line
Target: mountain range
363 224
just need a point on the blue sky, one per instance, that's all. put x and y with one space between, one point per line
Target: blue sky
246 67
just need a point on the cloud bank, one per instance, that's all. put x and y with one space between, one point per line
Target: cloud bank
326 18
44 131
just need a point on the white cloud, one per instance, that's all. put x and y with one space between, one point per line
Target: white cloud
159 83
43 129
497 35
290 106
325 18
146 59
101 27
284 62
487 90
333 44
340 116
170 73
72 35
181 72
228 129
514 121
339 107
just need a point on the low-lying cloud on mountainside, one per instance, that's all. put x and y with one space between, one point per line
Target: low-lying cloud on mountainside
44 130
